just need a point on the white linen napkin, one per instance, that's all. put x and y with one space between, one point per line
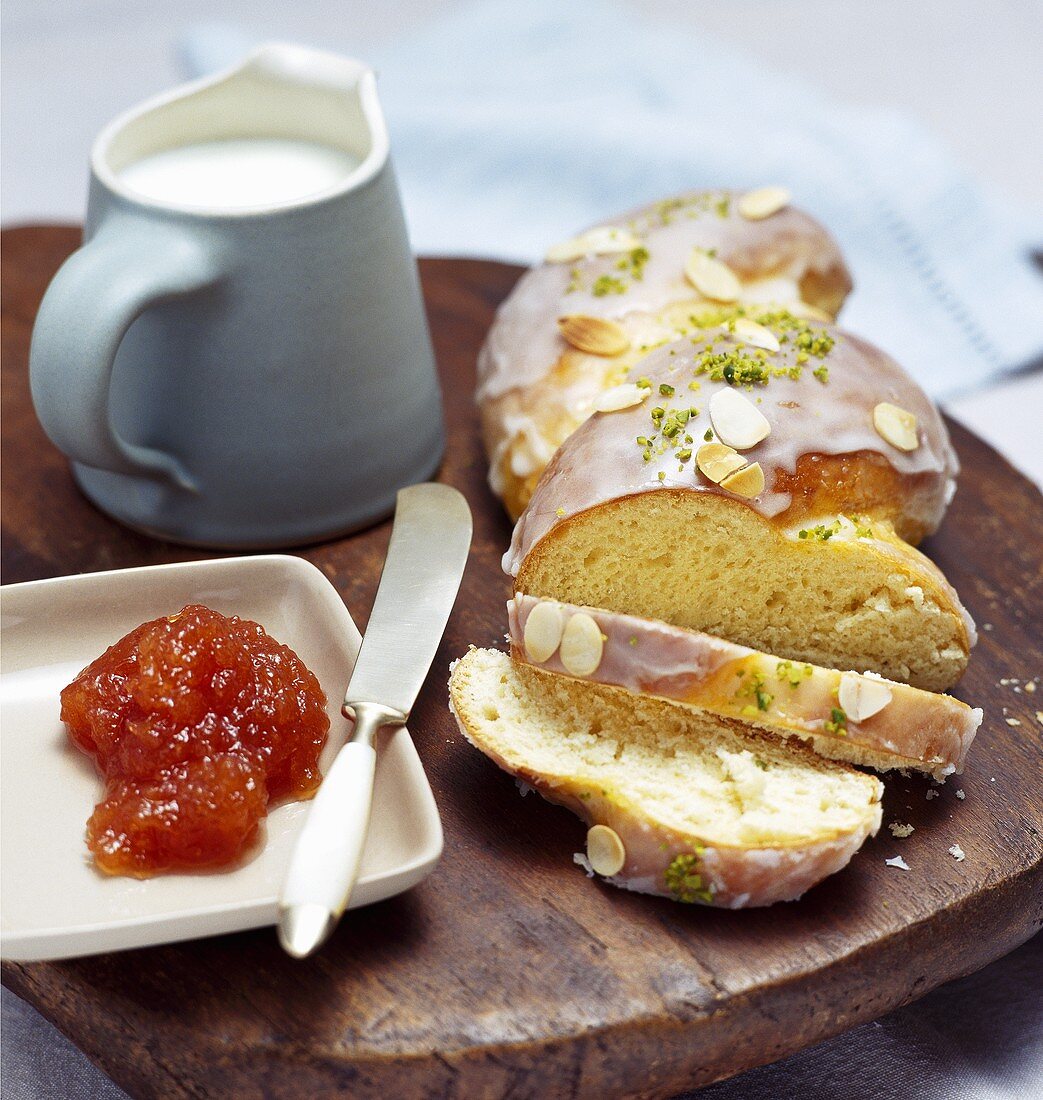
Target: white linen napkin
513 125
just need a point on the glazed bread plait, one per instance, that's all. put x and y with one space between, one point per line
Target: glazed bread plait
718 607
621 289
762 496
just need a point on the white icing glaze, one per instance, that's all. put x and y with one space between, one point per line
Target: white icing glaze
769 256
602 461
650 657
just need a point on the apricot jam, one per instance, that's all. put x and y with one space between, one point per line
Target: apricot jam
197 722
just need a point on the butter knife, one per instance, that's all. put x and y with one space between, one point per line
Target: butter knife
425 562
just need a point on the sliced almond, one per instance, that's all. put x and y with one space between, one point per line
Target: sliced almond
595 335
712 278
808 312
602 240
748 482
896 426
605 851
860 698
581 645
737 421
542 634
717 461
763 202
749 332
624 396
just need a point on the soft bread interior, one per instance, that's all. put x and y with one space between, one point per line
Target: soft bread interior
702 561
717 779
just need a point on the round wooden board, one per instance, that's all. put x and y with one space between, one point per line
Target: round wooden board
509 972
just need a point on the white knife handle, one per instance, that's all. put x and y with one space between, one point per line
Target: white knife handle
326 858
328 852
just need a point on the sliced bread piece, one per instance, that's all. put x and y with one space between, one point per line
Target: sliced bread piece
844 715
690 805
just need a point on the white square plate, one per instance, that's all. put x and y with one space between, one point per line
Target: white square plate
55 904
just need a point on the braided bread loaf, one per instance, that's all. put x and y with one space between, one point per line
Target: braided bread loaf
696 450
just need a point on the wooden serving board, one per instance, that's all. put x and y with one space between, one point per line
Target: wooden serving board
508 972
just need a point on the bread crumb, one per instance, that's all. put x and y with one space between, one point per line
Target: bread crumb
931 794
1030 687
961 795
1039 717
899 830
581 859
986 626
1012 721
957 853
897 862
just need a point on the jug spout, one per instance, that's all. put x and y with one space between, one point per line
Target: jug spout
333 98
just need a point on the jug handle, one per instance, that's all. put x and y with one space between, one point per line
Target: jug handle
94 298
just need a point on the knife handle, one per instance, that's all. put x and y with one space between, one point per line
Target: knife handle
328 853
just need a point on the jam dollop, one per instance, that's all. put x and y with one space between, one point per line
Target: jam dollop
197 722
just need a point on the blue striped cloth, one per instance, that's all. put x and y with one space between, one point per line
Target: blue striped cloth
515 124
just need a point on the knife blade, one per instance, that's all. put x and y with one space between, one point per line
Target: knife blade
430 540
418 587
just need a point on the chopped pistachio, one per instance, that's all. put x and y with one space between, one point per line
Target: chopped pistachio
607 284
683 880
837 722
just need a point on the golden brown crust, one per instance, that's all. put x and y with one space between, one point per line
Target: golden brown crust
863 483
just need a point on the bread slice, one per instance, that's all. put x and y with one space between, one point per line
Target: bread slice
702 808
842 715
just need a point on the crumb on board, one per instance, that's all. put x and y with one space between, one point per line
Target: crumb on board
897 862
930 795
1012 721
957 853
961 794
899 830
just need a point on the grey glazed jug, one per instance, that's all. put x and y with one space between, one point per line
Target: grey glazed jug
246 377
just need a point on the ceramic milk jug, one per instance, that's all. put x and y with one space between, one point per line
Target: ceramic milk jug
238 354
